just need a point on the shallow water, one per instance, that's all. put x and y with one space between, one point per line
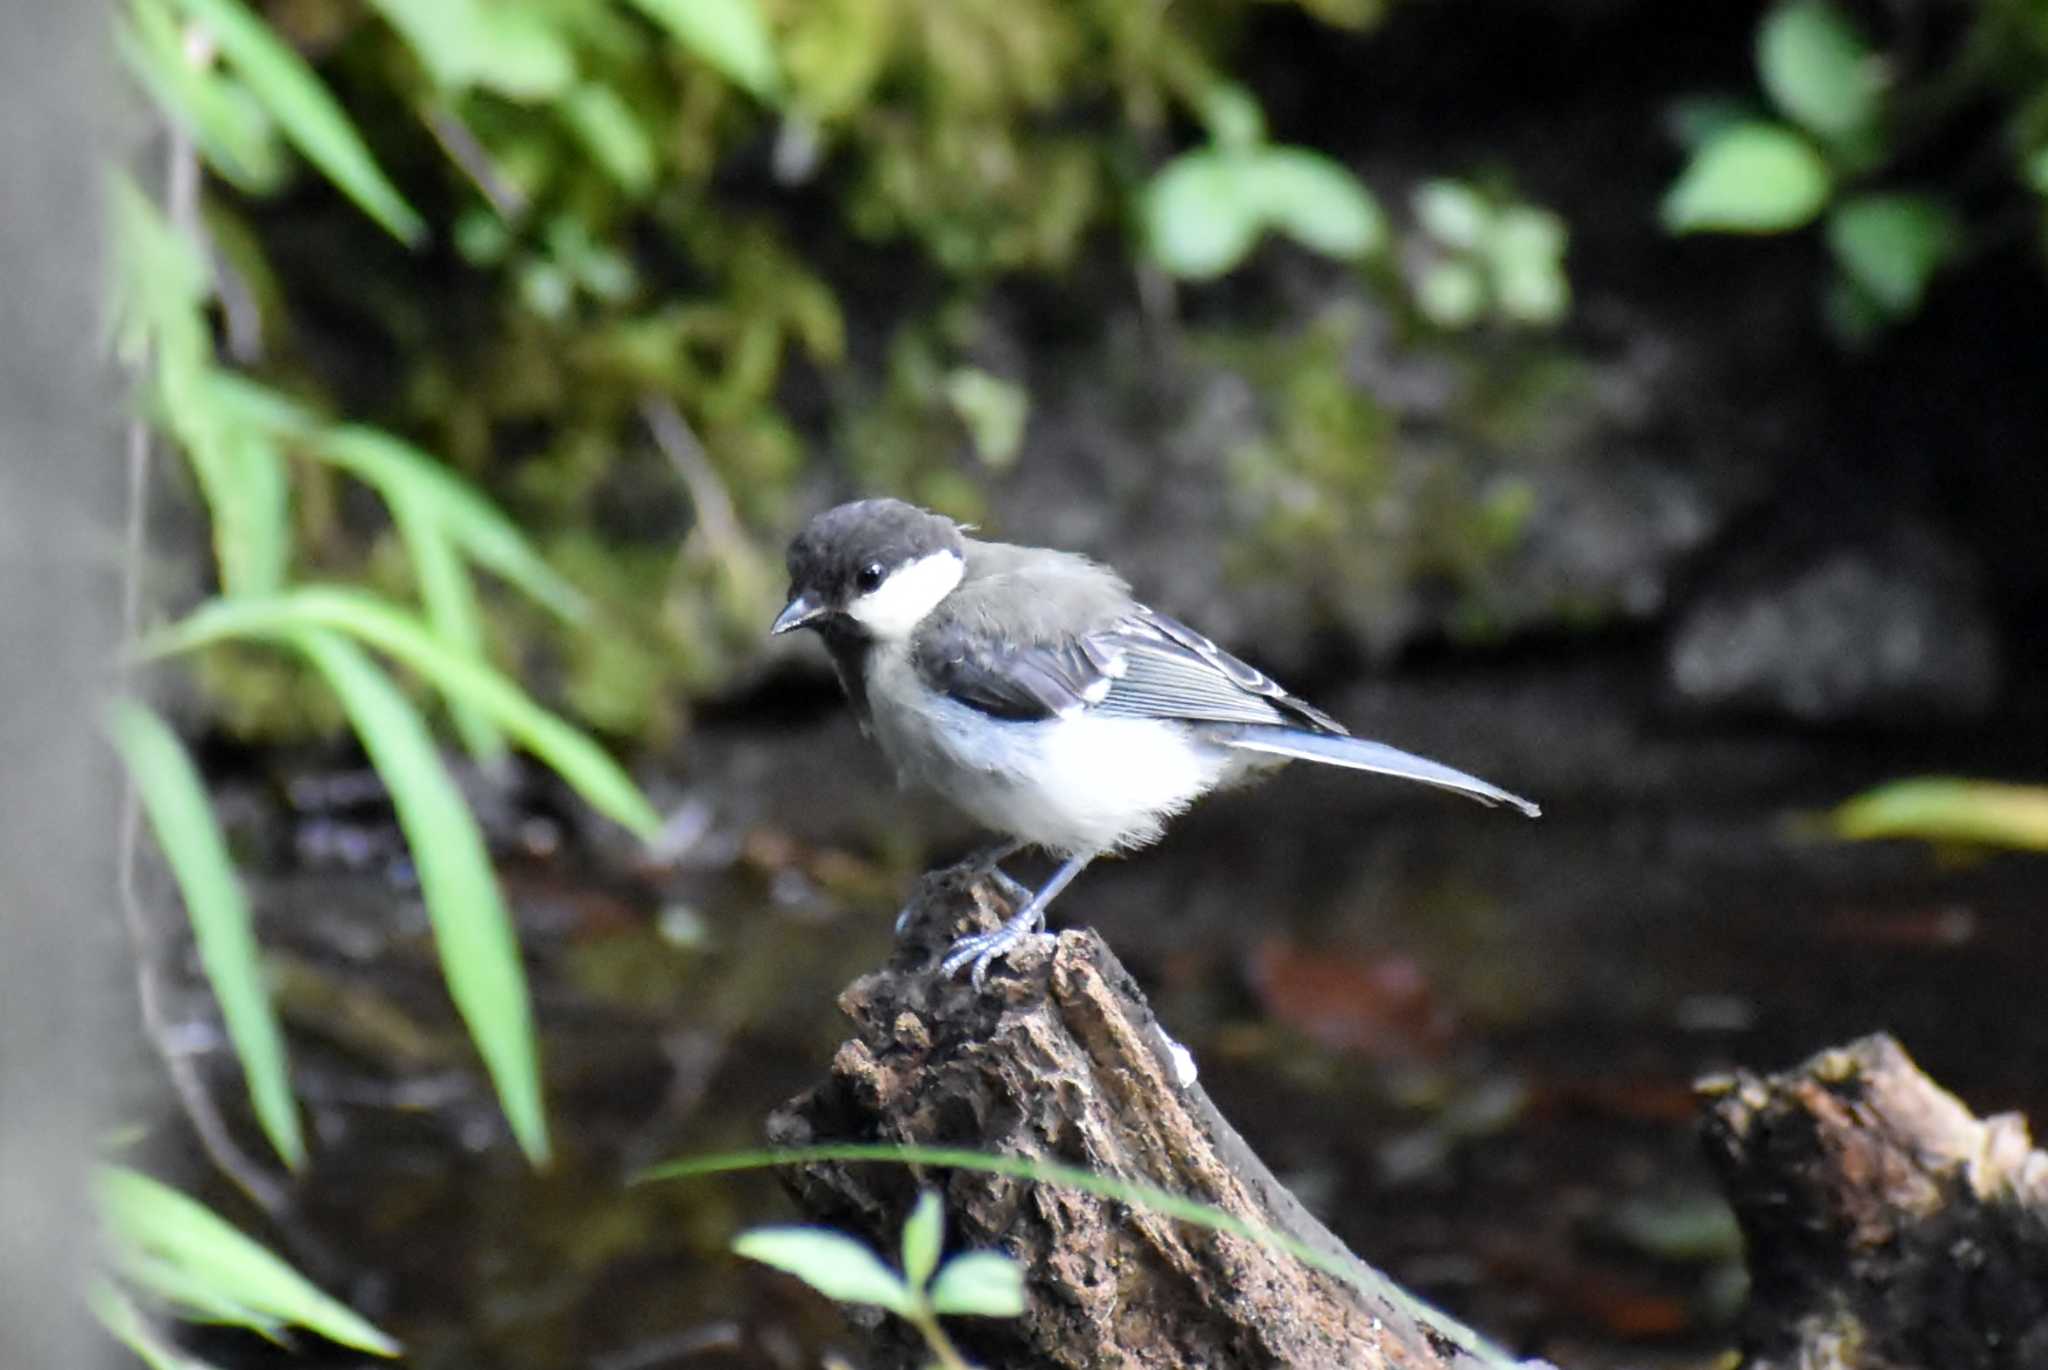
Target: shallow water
1467 1040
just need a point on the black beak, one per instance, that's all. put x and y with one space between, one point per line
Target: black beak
800 611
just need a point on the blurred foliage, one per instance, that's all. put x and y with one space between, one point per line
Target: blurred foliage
777 221
975 1283
169 1253
1978 813
1854 117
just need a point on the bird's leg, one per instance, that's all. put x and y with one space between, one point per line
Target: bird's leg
981 948
987 864
983 865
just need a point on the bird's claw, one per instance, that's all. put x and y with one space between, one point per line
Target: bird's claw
1014 892
981 949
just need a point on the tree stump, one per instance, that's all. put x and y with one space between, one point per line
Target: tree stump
1060 1059
1887 1228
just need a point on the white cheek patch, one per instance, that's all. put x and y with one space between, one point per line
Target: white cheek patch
893 609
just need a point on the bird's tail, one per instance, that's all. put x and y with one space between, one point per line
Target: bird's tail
1359 754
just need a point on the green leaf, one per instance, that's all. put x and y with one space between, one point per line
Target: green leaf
924 1236
1693 120
1198 223
310 116
985 1283
994 410
126 1324
195 1297
492 540
1451 294
731 35
450 600
2036 172
1947 810
1345 1268
149 1220
161 282
1526 253
472 929
830 1262
1818 69
230 129
605 124
509 48
1453 213
1232 116
182 819
241 474
1315 201
568 752
1752 178
1891 245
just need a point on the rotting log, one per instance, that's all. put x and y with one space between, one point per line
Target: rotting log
1061 1060
1887 1228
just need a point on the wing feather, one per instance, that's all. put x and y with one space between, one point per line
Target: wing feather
1141 664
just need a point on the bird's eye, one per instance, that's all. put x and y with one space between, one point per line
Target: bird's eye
870 578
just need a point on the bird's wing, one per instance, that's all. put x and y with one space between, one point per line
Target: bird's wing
1140 665
1172 671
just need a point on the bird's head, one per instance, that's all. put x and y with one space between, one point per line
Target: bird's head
873 568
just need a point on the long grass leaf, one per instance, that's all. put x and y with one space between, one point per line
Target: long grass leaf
578 760
150 1220
450 602
127 1325
312 119
241 475
1352 1271
492 540
1943 809
472 929
195 1296
181 816
230 129
161 279
731 35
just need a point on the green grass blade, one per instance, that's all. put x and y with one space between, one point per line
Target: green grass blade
126 1324
149 1220
230 129
514 50
578 760
312 119
451 609
1940 809
181 816
241 475
493 541
729 34
194 1296
1352 1272
160 278
472 929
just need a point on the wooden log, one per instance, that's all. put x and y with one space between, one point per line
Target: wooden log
1061 1059
1887 1228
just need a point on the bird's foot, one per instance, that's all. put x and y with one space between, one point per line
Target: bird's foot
980 949
981 865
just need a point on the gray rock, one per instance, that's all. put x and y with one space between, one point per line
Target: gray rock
1888 631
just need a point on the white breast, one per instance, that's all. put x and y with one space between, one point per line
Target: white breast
1071 785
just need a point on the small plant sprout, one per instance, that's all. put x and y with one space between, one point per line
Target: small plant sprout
981 1283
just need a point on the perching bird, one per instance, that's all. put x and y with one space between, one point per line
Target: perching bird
1028 687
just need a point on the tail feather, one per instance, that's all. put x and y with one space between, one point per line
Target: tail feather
1361 754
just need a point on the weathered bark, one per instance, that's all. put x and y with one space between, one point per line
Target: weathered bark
1062 1060
1888 1229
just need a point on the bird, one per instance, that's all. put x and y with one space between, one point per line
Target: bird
1030 688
